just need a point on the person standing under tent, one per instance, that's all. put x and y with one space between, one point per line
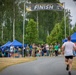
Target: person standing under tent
12 51
56 48
51 49
47 49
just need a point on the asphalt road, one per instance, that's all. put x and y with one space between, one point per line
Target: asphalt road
41 66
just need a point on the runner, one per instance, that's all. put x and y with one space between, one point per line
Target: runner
67 50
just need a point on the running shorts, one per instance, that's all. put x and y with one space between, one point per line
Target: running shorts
69 57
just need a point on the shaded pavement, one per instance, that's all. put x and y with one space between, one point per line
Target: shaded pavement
41 66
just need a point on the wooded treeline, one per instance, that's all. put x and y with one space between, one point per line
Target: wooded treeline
50 23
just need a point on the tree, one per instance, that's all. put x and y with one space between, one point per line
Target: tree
74 28
10 14
58 32
55 35
46 18
31 32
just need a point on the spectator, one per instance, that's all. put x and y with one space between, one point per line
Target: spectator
56 48
47 49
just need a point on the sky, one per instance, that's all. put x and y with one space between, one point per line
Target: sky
71 5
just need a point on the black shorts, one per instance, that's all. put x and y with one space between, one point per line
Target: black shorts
69 57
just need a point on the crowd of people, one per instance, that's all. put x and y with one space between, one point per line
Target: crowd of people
42 50
31 50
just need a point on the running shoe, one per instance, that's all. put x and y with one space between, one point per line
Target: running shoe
69 73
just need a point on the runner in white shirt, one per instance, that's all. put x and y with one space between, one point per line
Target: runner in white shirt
67 49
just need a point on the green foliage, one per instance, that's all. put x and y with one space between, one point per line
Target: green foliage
9 10
31 32
74 29
56 34
46 21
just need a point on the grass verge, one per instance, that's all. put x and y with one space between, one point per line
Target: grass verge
74 63
5 62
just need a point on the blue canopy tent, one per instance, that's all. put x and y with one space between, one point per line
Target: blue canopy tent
5 45
64 40
73 38
15 43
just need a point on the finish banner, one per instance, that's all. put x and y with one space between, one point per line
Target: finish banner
44 6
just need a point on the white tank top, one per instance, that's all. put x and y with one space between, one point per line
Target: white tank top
68 48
